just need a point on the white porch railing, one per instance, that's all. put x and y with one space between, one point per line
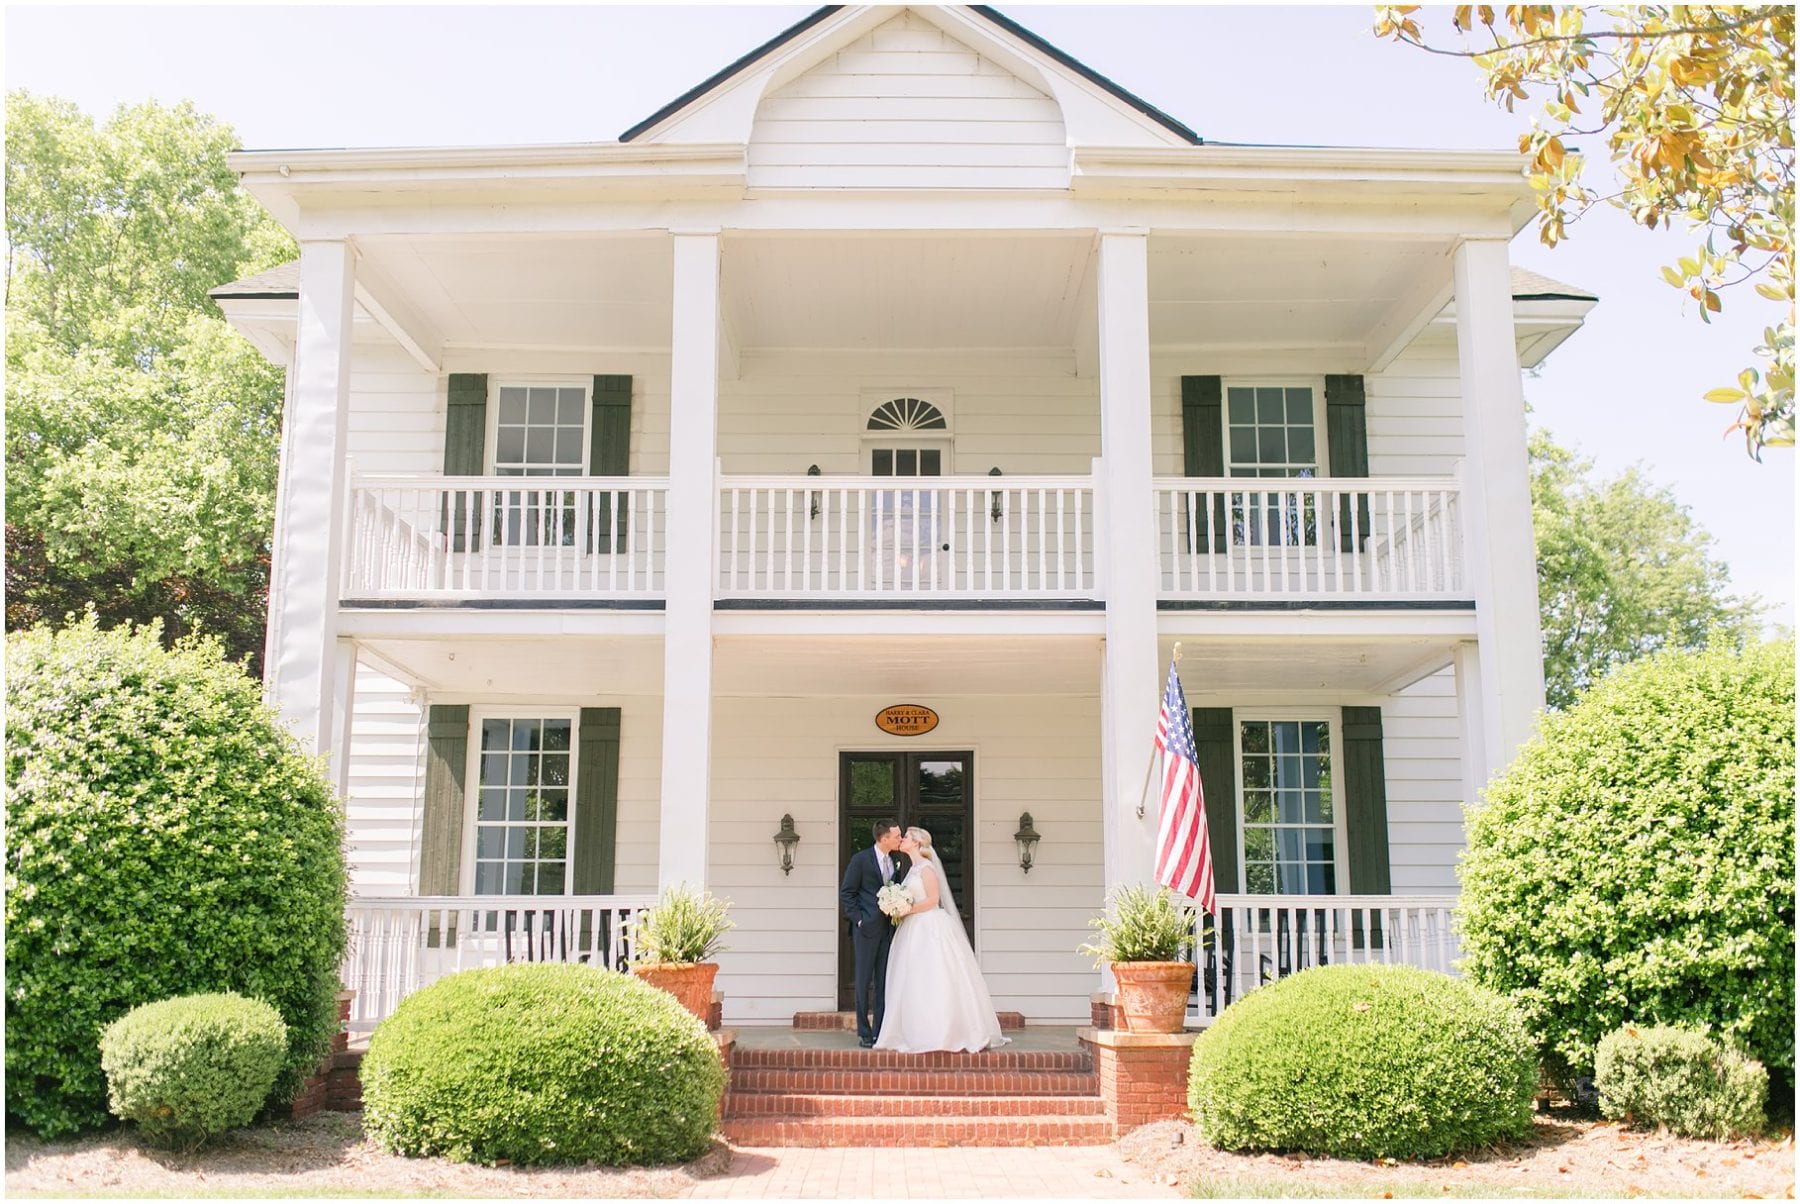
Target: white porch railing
416 537
1385 538
906 537
1256 939
401 945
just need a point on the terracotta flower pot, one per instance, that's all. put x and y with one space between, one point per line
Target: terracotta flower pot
691 984
1153 996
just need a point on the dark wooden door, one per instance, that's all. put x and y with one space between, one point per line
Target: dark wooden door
930 790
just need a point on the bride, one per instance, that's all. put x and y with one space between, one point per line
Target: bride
936 999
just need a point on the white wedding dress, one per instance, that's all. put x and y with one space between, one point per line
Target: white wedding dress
936 997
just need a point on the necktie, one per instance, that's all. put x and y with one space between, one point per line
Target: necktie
887 867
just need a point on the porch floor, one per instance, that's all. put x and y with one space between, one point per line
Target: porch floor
1032 1038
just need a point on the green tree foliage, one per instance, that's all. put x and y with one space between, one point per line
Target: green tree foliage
164 836
1635 864
1695 104
1623 572
140 429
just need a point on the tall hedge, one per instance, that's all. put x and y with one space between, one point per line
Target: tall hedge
165 836
1636 862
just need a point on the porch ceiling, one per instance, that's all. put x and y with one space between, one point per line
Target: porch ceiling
894 666
1270 668
560 668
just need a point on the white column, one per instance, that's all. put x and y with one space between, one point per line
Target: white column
343 702
1471 721
1131 692
303 589
1497 489
689 563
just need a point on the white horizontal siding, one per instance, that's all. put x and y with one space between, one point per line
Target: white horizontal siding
396 419
906 106
1414 409
1422 749
780 755
387 748
1026 415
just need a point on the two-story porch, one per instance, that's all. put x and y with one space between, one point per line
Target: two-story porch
624 485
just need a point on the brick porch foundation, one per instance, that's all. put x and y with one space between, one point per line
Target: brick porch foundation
1143 1076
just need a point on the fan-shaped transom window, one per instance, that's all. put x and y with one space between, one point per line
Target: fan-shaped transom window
905 414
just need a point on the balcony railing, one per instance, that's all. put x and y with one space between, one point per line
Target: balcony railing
548 537
401 945
906 538
1256 539
1257 939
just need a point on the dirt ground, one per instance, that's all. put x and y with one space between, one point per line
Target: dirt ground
323 1155
1560 1158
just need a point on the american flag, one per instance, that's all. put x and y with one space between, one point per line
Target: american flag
1183 854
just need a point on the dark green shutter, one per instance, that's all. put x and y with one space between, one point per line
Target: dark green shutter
1365 808
465 455
1347 445
446 799
1215 740
596 819
1215 745
1203 444
609 455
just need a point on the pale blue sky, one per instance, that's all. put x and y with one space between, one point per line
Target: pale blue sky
1624 389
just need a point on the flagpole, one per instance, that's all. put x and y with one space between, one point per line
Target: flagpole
1150 768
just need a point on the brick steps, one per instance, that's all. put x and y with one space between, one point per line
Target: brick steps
913 1082
815 1021
1067 1061
787 1096
794 1105
826 1132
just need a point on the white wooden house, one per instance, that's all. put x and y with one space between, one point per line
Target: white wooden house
904 361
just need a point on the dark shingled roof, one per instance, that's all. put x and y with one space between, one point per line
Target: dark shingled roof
982 10
1530 286
278 283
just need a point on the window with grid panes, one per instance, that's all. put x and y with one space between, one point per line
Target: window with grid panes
1288 807
539 431
1270 432
522 807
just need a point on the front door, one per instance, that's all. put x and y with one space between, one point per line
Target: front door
930 790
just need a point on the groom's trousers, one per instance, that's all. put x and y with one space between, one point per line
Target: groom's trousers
871 943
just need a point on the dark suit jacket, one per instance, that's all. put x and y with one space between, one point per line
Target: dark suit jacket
862 883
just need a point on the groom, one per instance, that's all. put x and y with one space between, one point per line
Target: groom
871 932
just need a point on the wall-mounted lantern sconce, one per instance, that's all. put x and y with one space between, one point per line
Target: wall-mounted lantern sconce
787 838
813 471
994 504
1026 838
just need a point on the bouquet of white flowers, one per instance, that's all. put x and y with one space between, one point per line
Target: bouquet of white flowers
894 900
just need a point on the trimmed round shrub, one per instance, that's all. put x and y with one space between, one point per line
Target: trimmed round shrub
165 836
1680 1080
190 1068
542 1063
1364 1061
1636 862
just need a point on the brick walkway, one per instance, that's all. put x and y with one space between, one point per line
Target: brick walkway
1050 1172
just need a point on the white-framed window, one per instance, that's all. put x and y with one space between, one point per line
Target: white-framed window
537 428
521 803
1272 429
1290 805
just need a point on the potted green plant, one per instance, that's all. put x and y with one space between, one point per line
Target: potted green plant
1146 937
672 941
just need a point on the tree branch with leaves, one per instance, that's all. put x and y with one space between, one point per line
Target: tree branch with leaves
1696 107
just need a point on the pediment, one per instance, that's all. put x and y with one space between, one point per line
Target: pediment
875 53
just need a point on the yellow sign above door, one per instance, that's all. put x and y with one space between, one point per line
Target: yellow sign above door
906 719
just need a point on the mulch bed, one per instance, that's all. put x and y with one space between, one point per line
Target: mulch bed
1561 1157
322 1155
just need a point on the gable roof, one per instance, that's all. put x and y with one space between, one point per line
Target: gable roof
993 16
